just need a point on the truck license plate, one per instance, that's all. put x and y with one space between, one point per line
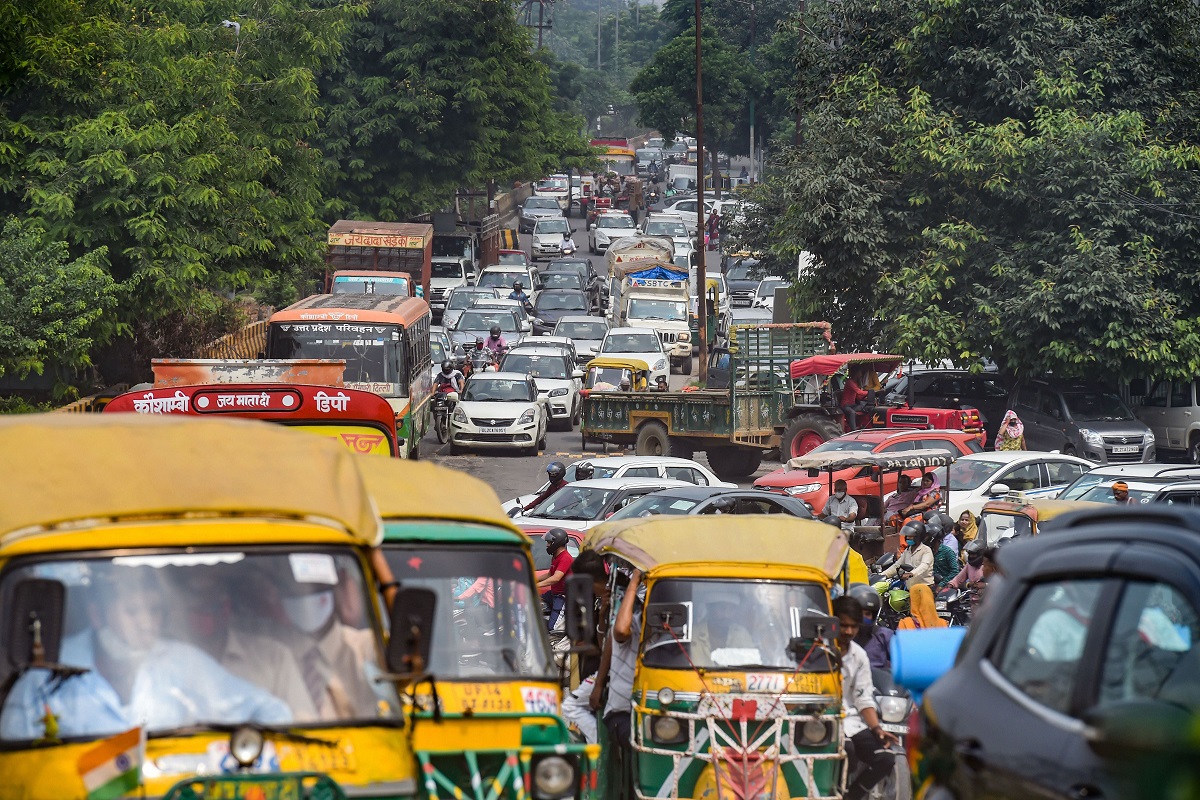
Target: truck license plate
1125 448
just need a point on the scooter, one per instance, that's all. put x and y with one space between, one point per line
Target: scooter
955 606
895 706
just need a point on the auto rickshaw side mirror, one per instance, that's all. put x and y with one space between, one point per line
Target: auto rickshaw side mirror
33 626
580 609
411 631
675 616
1131 730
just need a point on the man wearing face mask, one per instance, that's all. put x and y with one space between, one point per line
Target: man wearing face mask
841 506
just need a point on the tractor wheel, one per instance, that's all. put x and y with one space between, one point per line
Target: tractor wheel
652 440
806 432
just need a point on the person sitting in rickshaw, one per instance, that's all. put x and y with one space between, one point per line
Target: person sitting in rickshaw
928 497
904 496
719 629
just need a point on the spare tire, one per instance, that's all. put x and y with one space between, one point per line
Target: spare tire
806 432
732 462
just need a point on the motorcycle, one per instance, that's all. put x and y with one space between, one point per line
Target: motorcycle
895 705
443 407
567 248
482 360
955 606
892 591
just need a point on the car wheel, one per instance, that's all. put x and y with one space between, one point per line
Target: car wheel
578 413
1193 450
686 367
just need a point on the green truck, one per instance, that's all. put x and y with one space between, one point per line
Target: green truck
741 414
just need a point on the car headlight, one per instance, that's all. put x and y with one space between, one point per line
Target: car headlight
804 488
814 733
1091 437
526 418
684 337
1148 438
460 415
559 392
661 364
553 777
893 709
667 730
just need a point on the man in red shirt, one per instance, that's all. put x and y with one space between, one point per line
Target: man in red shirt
553 587
851 401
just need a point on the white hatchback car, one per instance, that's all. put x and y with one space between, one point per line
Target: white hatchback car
679 469
978 477
499 410
548 238
607 229
642 344
558 381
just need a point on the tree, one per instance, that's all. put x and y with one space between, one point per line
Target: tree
430 96
53 308
1010 181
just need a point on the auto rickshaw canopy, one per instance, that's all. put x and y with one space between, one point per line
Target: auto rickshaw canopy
705 541
639 371
1037 509
413 490
832 364
835 460
75 469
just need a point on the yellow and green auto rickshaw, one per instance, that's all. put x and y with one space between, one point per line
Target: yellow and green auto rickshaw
606 374
737 690
187 610
485 720
1015 514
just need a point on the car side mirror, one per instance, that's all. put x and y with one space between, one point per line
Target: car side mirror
577 374
999 489
34 623
580 608
1130 730
411 632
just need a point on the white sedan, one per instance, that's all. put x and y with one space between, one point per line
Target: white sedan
607 229
641 344
676 469
499 410
557 380
582 505
978 477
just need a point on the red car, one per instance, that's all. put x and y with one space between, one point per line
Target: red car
516 258
859 484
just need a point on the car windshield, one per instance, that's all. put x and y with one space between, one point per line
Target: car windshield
631 343
970 473
460 299
552 183
437 351
542 202
661 228
573 502
1102 493
482 389
169 640
511 258
587 331
562 280
767 288
561 301
645 308
729 624
478 320
557 225
614 221
538 366
487 616
504 279
655 504
741 271
1096 407
446 269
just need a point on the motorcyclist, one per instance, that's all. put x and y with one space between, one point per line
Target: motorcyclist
584 471
567 248
449 380
557 473
945 556
553 587
975 572
518 293
875 639
495 341
918 557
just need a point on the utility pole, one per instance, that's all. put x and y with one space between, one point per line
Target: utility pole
599 28
752 16
701 274
543 24
617 44
799 137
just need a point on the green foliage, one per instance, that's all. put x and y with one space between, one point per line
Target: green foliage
19 405
1014 181
53 308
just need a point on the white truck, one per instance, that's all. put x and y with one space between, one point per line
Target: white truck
652 293
681 177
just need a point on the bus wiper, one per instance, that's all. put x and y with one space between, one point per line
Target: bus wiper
223 727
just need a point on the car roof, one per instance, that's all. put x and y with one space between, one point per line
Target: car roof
497 302
1009 456
1157 524
1191 485
634 483
632 330
1147 470
500 376
582 318
694 492
538 350
560 291
620 461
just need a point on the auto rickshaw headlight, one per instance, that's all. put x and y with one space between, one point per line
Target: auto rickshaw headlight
666 696
245 745
814 733
553 777
667 730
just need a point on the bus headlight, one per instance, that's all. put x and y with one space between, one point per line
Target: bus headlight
553 778
667 730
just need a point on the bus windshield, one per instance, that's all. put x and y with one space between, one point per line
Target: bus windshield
363 284
175 639
489 620
374 354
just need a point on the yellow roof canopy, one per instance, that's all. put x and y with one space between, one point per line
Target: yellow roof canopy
405 489
68 468
735 539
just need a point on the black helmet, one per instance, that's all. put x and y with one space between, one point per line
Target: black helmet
584 471
867 597
914 528
947 521
555 538
517 286
556 470
933 528
495 331
447 367
974 552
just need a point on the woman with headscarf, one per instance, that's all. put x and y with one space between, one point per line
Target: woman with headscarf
904 496
923 611
966 528
928 497
1012 432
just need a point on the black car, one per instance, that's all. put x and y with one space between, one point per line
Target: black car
573 279
711 500
553 304
948 388
1081 674
585 269
742 276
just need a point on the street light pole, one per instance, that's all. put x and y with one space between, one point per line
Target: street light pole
751 171
701 275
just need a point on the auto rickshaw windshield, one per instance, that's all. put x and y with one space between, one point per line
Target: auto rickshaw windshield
995 527
731 624
175 640
486 611
605 378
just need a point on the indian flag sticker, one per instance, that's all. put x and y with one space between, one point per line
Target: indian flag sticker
113 767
